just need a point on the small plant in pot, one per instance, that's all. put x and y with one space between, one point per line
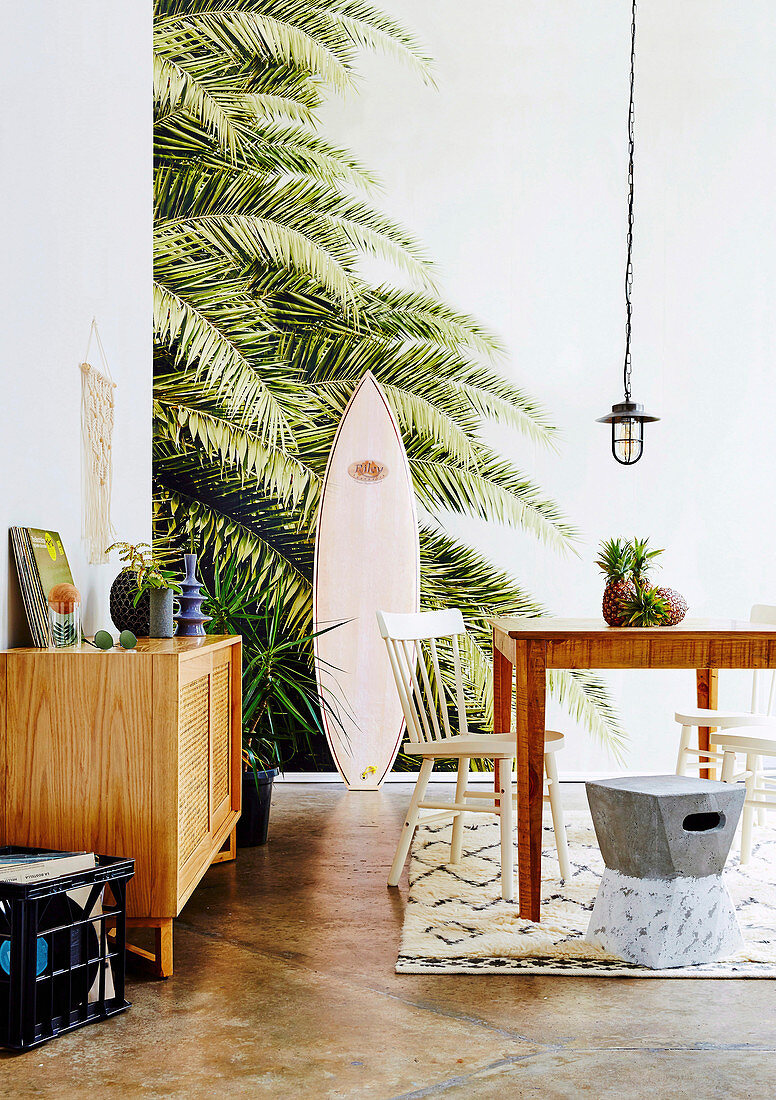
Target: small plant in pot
141 597
282 703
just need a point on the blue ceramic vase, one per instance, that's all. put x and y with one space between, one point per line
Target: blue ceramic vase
190 620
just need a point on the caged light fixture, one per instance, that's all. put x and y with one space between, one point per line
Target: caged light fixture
628 418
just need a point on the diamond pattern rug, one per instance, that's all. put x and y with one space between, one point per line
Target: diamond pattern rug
457 923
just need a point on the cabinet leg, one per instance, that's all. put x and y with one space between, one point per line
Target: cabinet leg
229 850
163 937
159 962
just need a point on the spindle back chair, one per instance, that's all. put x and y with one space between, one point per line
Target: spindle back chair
424 650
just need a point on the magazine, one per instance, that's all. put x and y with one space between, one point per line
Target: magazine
41 562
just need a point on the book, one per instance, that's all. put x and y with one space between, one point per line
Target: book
23 567
10 860
41 562
43 868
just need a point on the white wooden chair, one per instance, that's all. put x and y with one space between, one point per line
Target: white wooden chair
760 788
761 713
419 645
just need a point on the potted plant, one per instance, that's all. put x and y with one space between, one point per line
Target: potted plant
141 596
282 703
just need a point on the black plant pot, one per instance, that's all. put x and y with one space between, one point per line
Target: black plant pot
253 826
125 614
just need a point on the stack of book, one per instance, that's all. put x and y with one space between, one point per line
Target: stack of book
43 866
41 563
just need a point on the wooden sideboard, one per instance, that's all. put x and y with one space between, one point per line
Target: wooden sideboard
127 753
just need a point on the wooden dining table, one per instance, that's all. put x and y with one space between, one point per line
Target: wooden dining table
523 651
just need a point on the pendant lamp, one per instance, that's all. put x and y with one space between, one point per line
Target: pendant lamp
628 418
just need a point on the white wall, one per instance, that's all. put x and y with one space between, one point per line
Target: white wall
513 173
75 227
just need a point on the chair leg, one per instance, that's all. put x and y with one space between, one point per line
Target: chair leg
556 808
507 838
456 844
684 744
728 766
747 817
410 822
759 773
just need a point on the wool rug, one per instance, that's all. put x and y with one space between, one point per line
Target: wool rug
457 923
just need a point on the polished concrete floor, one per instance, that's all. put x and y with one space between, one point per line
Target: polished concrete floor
284 987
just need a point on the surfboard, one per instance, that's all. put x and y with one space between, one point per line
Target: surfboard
366 558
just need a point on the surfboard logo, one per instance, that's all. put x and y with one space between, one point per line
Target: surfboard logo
368 470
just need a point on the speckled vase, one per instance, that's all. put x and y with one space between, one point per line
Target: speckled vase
125 613
190 620
160 618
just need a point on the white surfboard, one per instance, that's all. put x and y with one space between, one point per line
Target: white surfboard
366 558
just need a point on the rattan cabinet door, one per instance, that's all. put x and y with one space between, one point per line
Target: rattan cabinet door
194 819
220 740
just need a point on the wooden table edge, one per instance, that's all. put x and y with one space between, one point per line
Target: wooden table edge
565 629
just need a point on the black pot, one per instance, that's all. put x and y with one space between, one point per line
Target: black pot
125 614
253 826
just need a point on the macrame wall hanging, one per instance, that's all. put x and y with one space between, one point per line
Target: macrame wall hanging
97 399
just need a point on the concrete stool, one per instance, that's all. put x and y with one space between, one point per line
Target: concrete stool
664 839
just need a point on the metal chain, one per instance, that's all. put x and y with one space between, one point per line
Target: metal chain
626 373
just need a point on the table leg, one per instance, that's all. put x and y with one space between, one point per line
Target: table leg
503 678
531 669
706 686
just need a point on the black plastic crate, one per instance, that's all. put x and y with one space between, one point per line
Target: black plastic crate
62 960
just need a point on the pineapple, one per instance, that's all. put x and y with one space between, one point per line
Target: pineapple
643 561
677 605
615 561
646 607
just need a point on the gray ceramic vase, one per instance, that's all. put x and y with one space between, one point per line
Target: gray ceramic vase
161 611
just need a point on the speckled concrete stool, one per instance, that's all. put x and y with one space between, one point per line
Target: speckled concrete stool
664 839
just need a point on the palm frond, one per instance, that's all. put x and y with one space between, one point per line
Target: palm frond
456 575
275 473
175 89
211 354
247 242
265 542
411 315
278 107
586 698
243 35
491 490
370 29
338 23
416 415
435 371
232 200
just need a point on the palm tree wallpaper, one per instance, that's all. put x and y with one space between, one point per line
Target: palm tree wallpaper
264 322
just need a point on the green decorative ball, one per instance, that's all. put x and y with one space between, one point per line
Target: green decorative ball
103 640
127 639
